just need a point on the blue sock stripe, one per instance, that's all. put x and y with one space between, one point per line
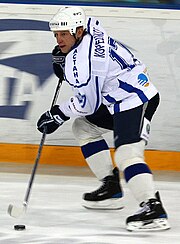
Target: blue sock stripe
93 148
136 169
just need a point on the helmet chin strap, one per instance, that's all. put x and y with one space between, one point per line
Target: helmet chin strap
78 40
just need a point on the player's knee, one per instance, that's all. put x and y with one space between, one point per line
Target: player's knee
79 128
129 154
85 132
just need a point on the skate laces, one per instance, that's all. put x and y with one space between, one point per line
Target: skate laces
101 188
144 208
147 206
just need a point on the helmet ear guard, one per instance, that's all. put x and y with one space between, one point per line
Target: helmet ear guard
68 18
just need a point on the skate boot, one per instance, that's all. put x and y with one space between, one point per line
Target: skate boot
150 217
108 196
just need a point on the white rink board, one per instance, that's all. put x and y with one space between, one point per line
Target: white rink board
153 35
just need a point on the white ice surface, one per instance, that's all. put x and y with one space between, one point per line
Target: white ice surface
55 214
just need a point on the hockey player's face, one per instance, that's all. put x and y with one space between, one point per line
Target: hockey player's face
65 40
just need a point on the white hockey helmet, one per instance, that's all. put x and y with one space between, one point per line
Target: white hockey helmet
68 18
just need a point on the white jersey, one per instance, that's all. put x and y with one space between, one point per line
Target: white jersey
102 70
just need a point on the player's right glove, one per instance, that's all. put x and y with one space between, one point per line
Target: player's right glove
51 120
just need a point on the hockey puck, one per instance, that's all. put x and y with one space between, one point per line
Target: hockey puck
19 227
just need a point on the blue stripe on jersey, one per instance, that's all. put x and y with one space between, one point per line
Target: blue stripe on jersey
116 108
88 25
129 88
136 169
97 94
116 103
110 99
93 148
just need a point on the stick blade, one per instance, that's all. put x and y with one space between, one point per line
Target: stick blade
15 211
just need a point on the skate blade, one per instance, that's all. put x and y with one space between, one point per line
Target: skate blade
110 204
154 225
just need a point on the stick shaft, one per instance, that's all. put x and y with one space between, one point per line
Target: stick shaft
28 191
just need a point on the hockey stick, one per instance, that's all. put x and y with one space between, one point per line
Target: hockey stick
13 210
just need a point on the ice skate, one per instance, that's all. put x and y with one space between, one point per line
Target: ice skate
151 217
108 196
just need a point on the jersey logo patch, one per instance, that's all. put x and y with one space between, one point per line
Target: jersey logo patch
143 80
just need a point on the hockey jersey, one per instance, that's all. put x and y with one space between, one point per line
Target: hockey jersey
102 70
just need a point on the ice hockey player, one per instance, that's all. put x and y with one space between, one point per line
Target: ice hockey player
102 70
89 132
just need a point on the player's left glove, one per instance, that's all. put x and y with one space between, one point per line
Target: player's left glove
51 120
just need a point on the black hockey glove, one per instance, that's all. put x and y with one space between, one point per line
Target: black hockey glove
51 120
58 59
